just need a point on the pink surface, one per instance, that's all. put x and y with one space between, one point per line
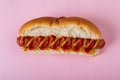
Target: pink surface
15 65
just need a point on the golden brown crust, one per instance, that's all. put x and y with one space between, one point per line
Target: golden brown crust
61 22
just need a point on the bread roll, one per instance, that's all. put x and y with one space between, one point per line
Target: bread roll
74 27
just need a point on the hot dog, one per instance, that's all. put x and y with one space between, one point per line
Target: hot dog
48 33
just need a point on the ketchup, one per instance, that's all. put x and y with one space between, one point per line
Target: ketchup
56 44
87 42
68 44
65 43
34 42
53 38
79 45
25 40
45 43
92 44
87 50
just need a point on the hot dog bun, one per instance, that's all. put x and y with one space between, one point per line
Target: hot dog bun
68 27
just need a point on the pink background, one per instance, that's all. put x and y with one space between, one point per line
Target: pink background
15 65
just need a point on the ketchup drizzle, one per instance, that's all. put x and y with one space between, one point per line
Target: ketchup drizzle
67 43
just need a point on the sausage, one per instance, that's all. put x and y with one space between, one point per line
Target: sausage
100 44
55 42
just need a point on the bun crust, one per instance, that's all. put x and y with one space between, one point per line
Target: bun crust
61 22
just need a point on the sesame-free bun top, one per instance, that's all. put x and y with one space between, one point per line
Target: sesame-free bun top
70 27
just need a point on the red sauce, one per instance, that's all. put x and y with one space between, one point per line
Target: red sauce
68 44
57 43
32 45
87 42
76 39
25 40
40 39
87 50
22 41
45 44
53 38
80 44
92 44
